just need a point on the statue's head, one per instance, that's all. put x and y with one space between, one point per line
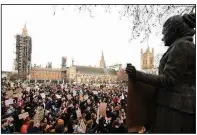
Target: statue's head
177 27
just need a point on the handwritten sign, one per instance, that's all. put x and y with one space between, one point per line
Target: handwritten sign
78 112
18 95
9 94
58 96
42 95
122 97
85 97
83 126
23 116
74 93
69 96
95 92
102 108
28 89
12 85
39 114
8 102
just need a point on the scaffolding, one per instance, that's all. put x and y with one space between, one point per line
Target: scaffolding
23 53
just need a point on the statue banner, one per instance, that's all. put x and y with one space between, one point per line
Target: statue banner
140 105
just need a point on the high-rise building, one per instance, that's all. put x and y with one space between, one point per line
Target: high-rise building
102 61
64 60
23 52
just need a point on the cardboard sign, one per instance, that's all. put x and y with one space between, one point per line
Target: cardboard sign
39 114
9 94
23 116
95 92
12 85
69 96
78 112
86 97
58 96
83 126
24 86
18 90
122 97
28 89
42 95
8 102
74 93
102 108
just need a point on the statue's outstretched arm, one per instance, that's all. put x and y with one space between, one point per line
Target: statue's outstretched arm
179 58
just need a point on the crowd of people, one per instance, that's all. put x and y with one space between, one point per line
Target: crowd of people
63 108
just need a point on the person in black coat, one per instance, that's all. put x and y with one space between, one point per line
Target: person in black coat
176 82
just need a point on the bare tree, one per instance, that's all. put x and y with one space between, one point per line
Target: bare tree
145 18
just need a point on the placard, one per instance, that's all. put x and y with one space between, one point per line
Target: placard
23 116
69 97
12 85
85 97
8 102
74 93
95 92
58 96
28 89
78 112
18 90
18 95
39 114
82 125
42 95
102 109
122 97
24 86
9 93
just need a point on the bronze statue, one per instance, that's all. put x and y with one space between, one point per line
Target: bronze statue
176 82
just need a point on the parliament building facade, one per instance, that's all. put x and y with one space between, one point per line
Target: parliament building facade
88 74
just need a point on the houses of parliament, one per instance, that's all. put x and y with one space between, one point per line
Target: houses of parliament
74 73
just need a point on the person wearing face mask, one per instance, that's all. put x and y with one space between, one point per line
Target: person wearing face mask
176 82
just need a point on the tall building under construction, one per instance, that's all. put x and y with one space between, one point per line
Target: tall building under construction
23 53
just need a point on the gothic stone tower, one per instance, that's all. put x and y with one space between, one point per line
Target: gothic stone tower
147 59
102 61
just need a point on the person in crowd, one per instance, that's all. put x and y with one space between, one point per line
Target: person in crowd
57 111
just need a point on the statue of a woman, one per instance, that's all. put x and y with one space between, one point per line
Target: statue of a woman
176 82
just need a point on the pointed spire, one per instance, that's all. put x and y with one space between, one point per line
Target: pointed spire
102 54
25 27
25 32
72 62
102 61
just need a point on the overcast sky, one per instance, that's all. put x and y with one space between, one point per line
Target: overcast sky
72 34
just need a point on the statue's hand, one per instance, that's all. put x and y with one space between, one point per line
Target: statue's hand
131 71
